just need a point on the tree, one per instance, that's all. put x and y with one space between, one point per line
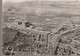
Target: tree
27 24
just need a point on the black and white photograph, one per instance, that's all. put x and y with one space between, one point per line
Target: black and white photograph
41 27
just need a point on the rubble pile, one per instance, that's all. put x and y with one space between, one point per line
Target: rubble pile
24 37
69 43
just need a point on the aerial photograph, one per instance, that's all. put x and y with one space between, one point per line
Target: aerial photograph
41 27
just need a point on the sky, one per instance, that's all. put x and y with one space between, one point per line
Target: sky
37 0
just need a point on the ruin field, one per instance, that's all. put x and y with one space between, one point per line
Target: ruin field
41 28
